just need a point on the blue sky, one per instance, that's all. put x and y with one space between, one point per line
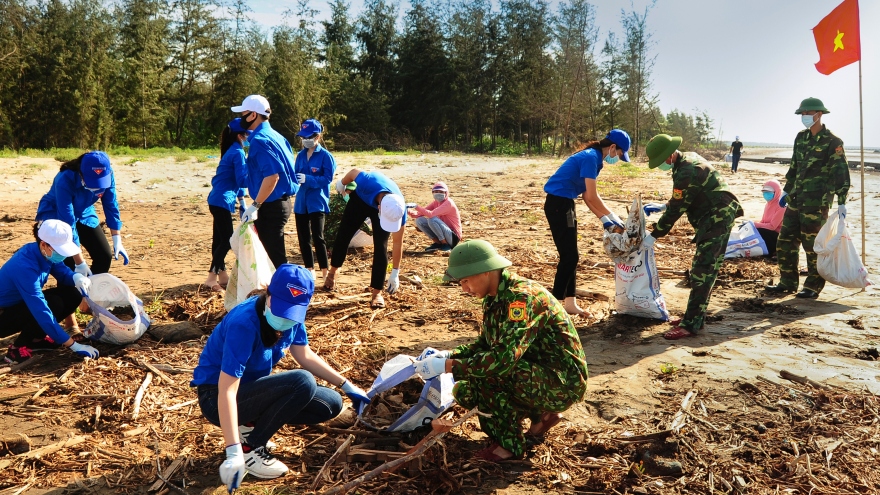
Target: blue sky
748 63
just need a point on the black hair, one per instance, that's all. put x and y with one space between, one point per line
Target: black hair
268 335
37 231
74 164
595 145
227 138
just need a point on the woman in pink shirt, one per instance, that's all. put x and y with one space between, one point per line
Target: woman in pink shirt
439 220
771 222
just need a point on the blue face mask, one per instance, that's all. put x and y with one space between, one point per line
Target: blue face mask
768 195
55 257
664 166
611 160
276 322
808 120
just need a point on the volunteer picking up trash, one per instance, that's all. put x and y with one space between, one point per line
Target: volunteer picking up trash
33 312
575 178
314 167
378 198
237 390
440 220
527 362
700 191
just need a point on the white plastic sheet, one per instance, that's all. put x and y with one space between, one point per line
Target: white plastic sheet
252 269
106 293
838 262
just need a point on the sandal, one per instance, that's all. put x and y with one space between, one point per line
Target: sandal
677 333
676 322
548 420
330 281
378 301
488 454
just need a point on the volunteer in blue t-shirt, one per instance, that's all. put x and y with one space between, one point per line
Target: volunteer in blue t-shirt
237 390
378 198
577 178
29 310
315 167
271 181
227 187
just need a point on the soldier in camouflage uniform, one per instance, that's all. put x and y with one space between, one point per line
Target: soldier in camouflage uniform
701 192
818 171
527 361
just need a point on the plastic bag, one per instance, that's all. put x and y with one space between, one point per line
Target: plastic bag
620 246
838 262
361 238
746 242
435 399
252 269
107 293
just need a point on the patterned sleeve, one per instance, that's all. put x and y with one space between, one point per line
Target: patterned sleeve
792 169
839 172
683 193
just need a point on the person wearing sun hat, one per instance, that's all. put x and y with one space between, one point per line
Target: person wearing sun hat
378 198
700 191
33 312
237 390
440 220
576 178
314 168
527 361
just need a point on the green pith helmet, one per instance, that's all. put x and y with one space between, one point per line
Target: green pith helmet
660 147
811 104
472 258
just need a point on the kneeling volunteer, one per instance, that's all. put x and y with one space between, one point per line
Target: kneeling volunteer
237 390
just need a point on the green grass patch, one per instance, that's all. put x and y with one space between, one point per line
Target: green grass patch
628 170
35 167
155 180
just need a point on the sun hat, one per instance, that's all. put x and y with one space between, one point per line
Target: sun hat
310 128
59 235
253 103
660 147
440 186
96 171
622 140
291 289
391 211
811 104
472 258
235 126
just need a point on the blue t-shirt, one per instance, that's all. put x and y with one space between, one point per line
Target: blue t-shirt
270 154
230 179
314 194
370 184
23 278
235 347
568 181
68 200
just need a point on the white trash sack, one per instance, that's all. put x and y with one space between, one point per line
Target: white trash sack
252 269
361 239
746 242
435 399
620 246
106 293
838 262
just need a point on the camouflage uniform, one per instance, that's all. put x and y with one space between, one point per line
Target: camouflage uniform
817 172
701 192
526 361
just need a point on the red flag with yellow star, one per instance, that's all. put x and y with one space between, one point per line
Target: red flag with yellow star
837 38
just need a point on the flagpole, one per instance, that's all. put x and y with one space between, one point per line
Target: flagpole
862 168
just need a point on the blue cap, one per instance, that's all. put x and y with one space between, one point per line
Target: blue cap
95 169
310 128
235 126
621 139
291 289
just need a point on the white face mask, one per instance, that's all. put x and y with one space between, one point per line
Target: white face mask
439 197
808 120
308 143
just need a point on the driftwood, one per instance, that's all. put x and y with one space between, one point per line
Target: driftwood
140 395
343 431
15 393
341 450
20 366
169 471
802 380
156 371
14 443
681 415
650 437
48 449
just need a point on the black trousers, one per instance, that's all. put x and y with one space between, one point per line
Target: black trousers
563 226
735 164
62 301
770 238
223 229
309 227
356 212
95 243
271 220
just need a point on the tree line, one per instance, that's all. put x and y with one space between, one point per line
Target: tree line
464 75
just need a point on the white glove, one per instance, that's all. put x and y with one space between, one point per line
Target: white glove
300 178
430 367
82 283
249 215
393 281
654 208
430 351
358 397
610 221
118 249
841 210
340 187
83 269
83 350
648 241
232 470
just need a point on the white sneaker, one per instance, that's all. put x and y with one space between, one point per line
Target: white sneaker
260 463
244 431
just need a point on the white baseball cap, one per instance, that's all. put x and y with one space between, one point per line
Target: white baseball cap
253 103
391 211
737 138
58 235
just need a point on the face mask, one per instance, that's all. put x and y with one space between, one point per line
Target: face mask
308 143
55 257
439 197
807 120
665 166
345 197
95 190
768 196
276 322
611 160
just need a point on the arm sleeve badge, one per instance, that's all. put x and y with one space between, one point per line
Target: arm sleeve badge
516 311
677 193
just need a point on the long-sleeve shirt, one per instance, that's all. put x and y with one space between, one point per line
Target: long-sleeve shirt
230 179
773 213
700 191
446 211
68 200
269 154
314 193
818 170
524 321
24 276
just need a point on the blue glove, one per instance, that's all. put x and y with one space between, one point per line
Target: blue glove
783 200
430 351
83 350
118 249
233 470
430 367
841 210
654 208
358 397
610 221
